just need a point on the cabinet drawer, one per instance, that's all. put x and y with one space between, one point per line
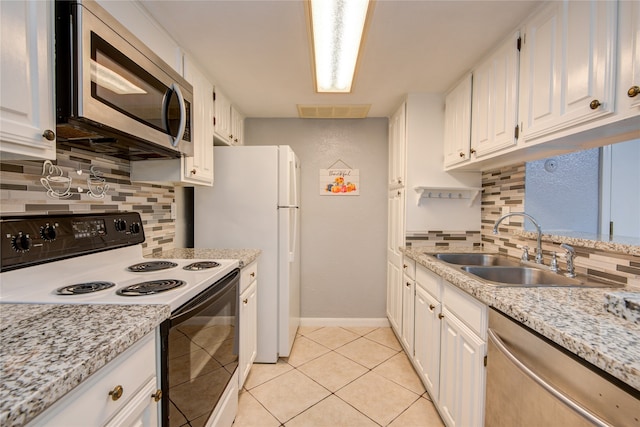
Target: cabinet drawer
430 282
90 404
468 309
409 267
248 275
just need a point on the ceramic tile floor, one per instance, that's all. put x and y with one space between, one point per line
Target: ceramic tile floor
347 377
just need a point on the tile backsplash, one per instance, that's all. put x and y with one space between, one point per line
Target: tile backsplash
22 191
506 187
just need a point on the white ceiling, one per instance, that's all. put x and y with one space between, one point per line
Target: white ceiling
258 53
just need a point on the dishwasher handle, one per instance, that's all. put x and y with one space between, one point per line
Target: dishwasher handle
500 345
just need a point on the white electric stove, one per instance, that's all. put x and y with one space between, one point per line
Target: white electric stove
53 259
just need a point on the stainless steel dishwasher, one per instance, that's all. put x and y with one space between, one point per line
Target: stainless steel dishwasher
532 382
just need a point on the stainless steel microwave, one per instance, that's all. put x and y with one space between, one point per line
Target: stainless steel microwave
113 94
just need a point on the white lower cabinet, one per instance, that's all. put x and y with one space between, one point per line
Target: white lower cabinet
449 348
462 352
122 393
408 298
248 321
426 354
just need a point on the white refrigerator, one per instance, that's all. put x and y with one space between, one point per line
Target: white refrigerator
254 203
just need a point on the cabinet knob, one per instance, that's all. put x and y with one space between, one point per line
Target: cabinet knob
157 395
633 91
461 154
472 151
116 393
50 135
408 284
253 274
230 136
399 193
440 316
404 266
399 180
431 307
245 301
594 104
193 171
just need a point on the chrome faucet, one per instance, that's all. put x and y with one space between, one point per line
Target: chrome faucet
533 220
570 254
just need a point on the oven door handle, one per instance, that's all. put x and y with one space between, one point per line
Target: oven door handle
203 299
501 346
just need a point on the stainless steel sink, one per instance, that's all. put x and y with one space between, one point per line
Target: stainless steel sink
476 259
529 277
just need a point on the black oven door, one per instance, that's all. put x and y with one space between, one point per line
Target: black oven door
200 353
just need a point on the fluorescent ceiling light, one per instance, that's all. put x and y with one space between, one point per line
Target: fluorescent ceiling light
337 32
113 81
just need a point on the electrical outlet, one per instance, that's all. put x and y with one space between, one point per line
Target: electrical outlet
506 210
173 211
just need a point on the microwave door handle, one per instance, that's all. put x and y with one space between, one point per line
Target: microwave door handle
183 115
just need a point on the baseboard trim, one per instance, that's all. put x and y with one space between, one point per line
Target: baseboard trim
381 322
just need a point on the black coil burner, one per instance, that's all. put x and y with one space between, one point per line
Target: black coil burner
84 288
151 287
201 265
151 266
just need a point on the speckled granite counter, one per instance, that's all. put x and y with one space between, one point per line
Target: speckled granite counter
245 256
574 318
48 349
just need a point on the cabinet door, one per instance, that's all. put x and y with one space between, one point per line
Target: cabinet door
568 63
457 123
397 147
222 120
237 127
27 106
199 168
395 239
629 84
248 331
462 373
495 102
408 302
141 411
427 340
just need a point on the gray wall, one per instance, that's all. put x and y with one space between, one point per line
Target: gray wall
343 258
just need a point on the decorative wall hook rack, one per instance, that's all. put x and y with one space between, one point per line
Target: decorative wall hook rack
470 193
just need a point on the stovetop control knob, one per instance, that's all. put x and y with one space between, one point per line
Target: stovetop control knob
21 242
135 228
48 232
121 225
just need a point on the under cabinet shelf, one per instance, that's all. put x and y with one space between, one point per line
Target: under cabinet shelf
454 193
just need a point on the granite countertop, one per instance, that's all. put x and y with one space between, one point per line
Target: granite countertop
48 349
574 318
245 256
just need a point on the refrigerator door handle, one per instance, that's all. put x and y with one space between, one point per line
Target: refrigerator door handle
292 243
288 207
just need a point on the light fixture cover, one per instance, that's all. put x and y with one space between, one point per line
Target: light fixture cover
337 32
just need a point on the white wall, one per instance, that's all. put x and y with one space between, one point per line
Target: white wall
425 156
343 258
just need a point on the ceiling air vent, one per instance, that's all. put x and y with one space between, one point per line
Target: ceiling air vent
333 111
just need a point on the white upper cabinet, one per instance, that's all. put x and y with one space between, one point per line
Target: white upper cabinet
397 148
495 100
222 122
567 66
457 123
629 66
27 105
237 127
199 168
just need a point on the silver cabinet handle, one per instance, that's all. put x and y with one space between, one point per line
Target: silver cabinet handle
495 339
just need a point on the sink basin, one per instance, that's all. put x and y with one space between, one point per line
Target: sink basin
521 276
527 276
476 259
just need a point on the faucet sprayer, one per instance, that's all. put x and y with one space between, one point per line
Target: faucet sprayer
533 220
